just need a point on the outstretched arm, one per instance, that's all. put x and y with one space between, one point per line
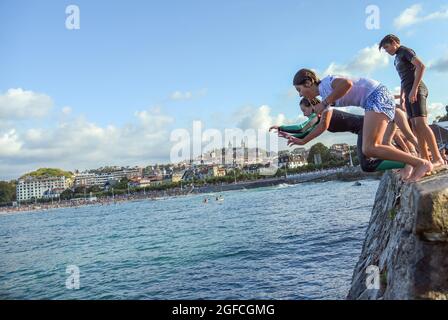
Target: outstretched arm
318 130
301 129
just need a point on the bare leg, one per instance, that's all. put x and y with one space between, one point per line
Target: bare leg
406 146
402 122
374 127
426 134
422 146
389 134
398 138
411 147
394 134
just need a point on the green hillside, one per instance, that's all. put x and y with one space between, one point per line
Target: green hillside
48 172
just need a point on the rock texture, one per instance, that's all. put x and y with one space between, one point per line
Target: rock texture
406 241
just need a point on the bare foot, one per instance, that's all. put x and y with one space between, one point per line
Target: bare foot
438 163
406 172
420 171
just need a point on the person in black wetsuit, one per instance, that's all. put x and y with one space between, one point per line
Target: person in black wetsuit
413 94
335 120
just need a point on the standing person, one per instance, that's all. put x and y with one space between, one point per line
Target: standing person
379 106
413 95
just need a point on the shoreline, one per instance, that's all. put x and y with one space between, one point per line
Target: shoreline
339 174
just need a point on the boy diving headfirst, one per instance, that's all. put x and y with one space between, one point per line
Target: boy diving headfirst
334 120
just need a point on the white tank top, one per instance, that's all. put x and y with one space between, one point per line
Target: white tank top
358 94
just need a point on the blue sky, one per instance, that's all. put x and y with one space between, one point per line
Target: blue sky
142 68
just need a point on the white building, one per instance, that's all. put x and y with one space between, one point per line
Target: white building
35 188
87 179
340 150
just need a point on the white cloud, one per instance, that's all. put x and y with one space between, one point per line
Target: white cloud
178 95
153 117
412 15
365 62
396 91
258 118
408 17
80 144
23 104
435 109
439 65
66 110
9 143
34 134
187 95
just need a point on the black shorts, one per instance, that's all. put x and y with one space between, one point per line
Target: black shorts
418 108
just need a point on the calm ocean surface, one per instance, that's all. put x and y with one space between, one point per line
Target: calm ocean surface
284 242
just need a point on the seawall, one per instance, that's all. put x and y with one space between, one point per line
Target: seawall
405 252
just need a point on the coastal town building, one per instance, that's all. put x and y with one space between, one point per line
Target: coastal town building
177 176
233 155
301 151
140 182
218 171
29 188
201 172
90 179
291 160
340 150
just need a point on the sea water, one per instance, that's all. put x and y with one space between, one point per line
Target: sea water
285 242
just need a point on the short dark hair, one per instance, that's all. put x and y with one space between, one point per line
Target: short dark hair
307 103
388 39
305 74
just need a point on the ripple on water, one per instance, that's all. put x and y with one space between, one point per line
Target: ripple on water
294 242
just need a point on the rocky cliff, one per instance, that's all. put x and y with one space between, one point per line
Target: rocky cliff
405 252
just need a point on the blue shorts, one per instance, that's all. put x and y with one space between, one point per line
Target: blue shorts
381 101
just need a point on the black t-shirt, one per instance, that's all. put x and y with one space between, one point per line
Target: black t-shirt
345 122
405 68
